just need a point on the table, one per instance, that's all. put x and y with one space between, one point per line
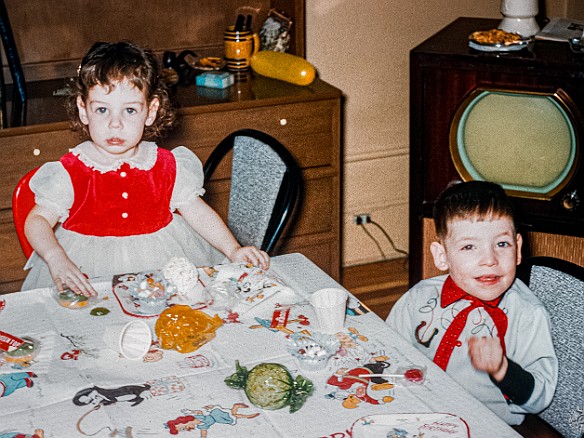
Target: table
73 358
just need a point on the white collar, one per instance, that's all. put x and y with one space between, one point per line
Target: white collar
143 159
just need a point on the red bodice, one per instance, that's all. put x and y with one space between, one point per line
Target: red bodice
124 202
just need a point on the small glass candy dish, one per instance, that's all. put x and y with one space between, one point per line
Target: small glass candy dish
24 354
70 300
312 352
152 291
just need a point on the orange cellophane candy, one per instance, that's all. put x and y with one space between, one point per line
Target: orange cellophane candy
184 329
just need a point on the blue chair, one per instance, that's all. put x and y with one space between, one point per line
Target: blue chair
559 285
265 188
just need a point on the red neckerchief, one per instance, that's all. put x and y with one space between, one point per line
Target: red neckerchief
452 293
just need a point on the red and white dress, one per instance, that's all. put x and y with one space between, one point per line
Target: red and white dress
121 217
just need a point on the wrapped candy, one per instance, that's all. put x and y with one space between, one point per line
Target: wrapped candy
271 386
184 329
18 351
70 300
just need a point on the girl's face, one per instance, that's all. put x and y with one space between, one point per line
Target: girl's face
116 118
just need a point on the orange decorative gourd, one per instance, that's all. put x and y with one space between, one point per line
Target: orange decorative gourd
184 329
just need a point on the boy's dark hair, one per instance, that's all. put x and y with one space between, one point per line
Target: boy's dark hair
107 63
472 199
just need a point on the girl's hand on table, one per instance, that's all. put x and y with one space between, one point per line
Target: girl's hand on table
66 274
252 255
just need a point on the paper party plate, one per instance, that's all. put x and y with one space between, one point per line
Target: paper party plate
428 425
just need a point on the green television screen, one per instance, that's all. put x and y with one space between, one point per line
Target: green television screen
524 141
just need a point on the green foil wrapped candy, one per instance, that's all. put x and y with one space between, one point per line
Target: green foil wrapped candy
271 386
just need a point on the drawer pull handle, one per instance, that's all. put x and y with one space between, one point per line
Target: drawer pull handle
36 152
283 122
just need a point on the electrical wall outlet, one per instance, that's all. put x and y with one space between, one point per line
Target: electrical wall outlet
363 218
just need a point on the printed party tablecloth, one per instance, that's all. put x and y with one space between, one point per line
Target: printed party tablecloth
76 386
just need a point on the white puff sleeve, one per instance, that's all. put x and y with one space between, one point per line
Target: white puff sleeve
53 189
189 177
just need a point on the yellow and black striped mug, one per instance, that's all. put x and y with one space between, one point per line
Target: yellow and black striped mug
240 46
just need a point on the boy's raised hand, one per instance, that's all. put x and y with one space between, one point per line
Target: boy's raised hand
252 255
486 354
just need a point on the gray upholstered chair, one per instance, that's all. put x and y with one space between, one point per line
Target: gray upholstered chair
560 286
265 186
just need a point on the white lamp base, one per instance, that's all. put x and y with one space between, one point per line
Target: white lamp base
525 27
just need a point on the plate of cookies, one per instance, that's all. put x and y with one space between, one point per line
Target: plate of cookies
497 40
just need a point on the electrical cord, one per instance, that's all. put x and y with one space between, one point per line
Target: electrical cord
390 240
401 251
374 241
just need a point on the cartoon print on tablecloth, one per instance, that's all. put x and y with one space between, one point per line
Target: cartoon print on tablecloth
71 355
231 318
154 353
285 319
353 387
198 361
132 394
359 356
77 348
14 381
38 433
197 419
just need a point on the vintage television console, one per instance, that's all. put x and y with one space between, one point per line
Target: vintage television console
510 117
306 119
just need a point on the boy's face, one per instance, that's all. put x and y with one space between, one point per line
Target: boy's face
481 255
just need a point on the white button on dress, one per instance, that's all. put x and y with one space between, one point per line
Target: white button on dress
125 215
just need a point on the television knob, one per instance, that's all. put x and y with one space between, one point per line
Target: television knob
571 201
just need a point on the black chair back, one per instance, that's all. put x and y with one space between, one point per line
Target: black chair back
19 94
266 186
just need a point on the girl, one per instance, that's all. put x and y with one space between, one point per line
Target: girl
115 196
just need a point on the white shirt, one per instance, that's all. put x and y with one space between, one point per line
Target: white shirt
418 317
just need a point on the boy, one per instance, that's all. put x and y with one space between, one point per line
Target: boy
478 323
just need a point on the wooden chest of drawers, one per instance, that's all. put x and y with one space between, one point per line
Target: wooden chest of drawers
305 119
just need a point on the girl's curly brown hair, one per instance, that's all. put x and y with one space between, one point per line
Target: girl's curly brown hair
108 63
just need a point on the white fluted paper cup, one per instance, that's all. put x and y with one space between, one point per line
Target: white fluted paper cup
132 340
330 306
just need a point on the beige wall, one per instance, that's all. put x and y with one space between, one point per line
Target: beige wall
362 47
